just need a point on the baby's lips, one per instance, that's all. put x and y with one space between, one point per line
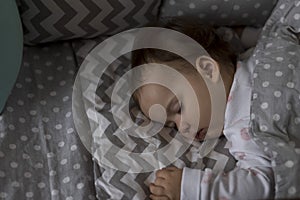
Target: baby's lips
200 135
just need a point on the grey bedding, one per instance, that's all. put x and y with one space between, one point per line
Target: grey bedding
275 117
275 110
119 176
41 155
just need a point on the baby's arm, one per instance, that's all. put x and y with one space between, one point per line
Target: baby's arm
253 183
252 177
174 184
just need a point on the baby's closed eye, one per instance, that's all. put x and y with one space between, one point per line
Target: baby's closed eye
170 125
177 107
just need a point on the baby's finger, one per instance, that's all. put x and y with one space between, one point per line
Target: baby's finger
159 181
154 197
157 190
162 173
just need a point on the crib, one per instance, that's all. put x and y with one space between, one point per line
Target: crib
42 153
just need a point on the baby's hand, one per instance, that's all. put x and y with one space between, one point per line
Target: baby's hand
167 184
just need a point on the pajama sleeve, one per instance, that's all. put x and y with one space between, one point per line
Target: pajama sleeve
252 178
240 183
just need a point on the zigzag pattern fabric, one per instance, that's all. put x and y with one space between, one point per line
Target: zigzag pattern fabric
110 182
51 20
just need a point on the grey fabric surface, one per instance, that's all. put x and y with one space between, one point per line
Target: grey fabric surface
45 21
41 155
275 108
221 12
111 182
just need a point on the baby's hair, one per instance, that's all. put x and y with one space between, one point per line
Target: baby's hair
205 35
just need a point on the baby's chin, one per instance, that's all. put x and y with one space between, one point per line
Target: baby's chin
203 135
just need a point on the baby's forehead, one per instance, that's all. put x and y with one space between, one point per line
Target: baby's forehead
152 94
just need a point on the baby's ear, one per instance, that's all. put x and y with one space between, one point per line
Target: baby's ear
208 67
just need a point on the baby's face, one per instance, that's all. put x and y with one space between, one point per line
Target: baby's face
180 112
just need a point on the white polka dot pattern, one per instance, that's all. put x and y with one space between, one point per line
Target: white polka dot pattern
38 142
277 106
220 12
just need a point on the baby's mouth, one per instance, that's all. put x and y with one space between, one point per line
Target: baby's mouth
200 135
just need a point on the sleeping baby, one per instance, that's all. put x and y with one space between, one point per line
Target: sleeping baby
253 175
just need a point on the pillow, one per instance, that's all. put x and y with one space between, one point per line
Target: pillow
275 110
11 48
102 114
50 20
221 12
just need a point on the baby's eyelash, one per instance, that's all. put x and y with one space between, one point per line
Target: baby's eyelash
180 107
171 125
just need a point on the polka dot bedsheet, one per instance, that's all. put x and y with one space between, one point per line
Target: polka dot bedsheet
221 12
41 156
275 110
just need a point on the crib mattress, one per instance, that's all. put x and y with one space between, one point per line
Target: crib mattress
41 155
